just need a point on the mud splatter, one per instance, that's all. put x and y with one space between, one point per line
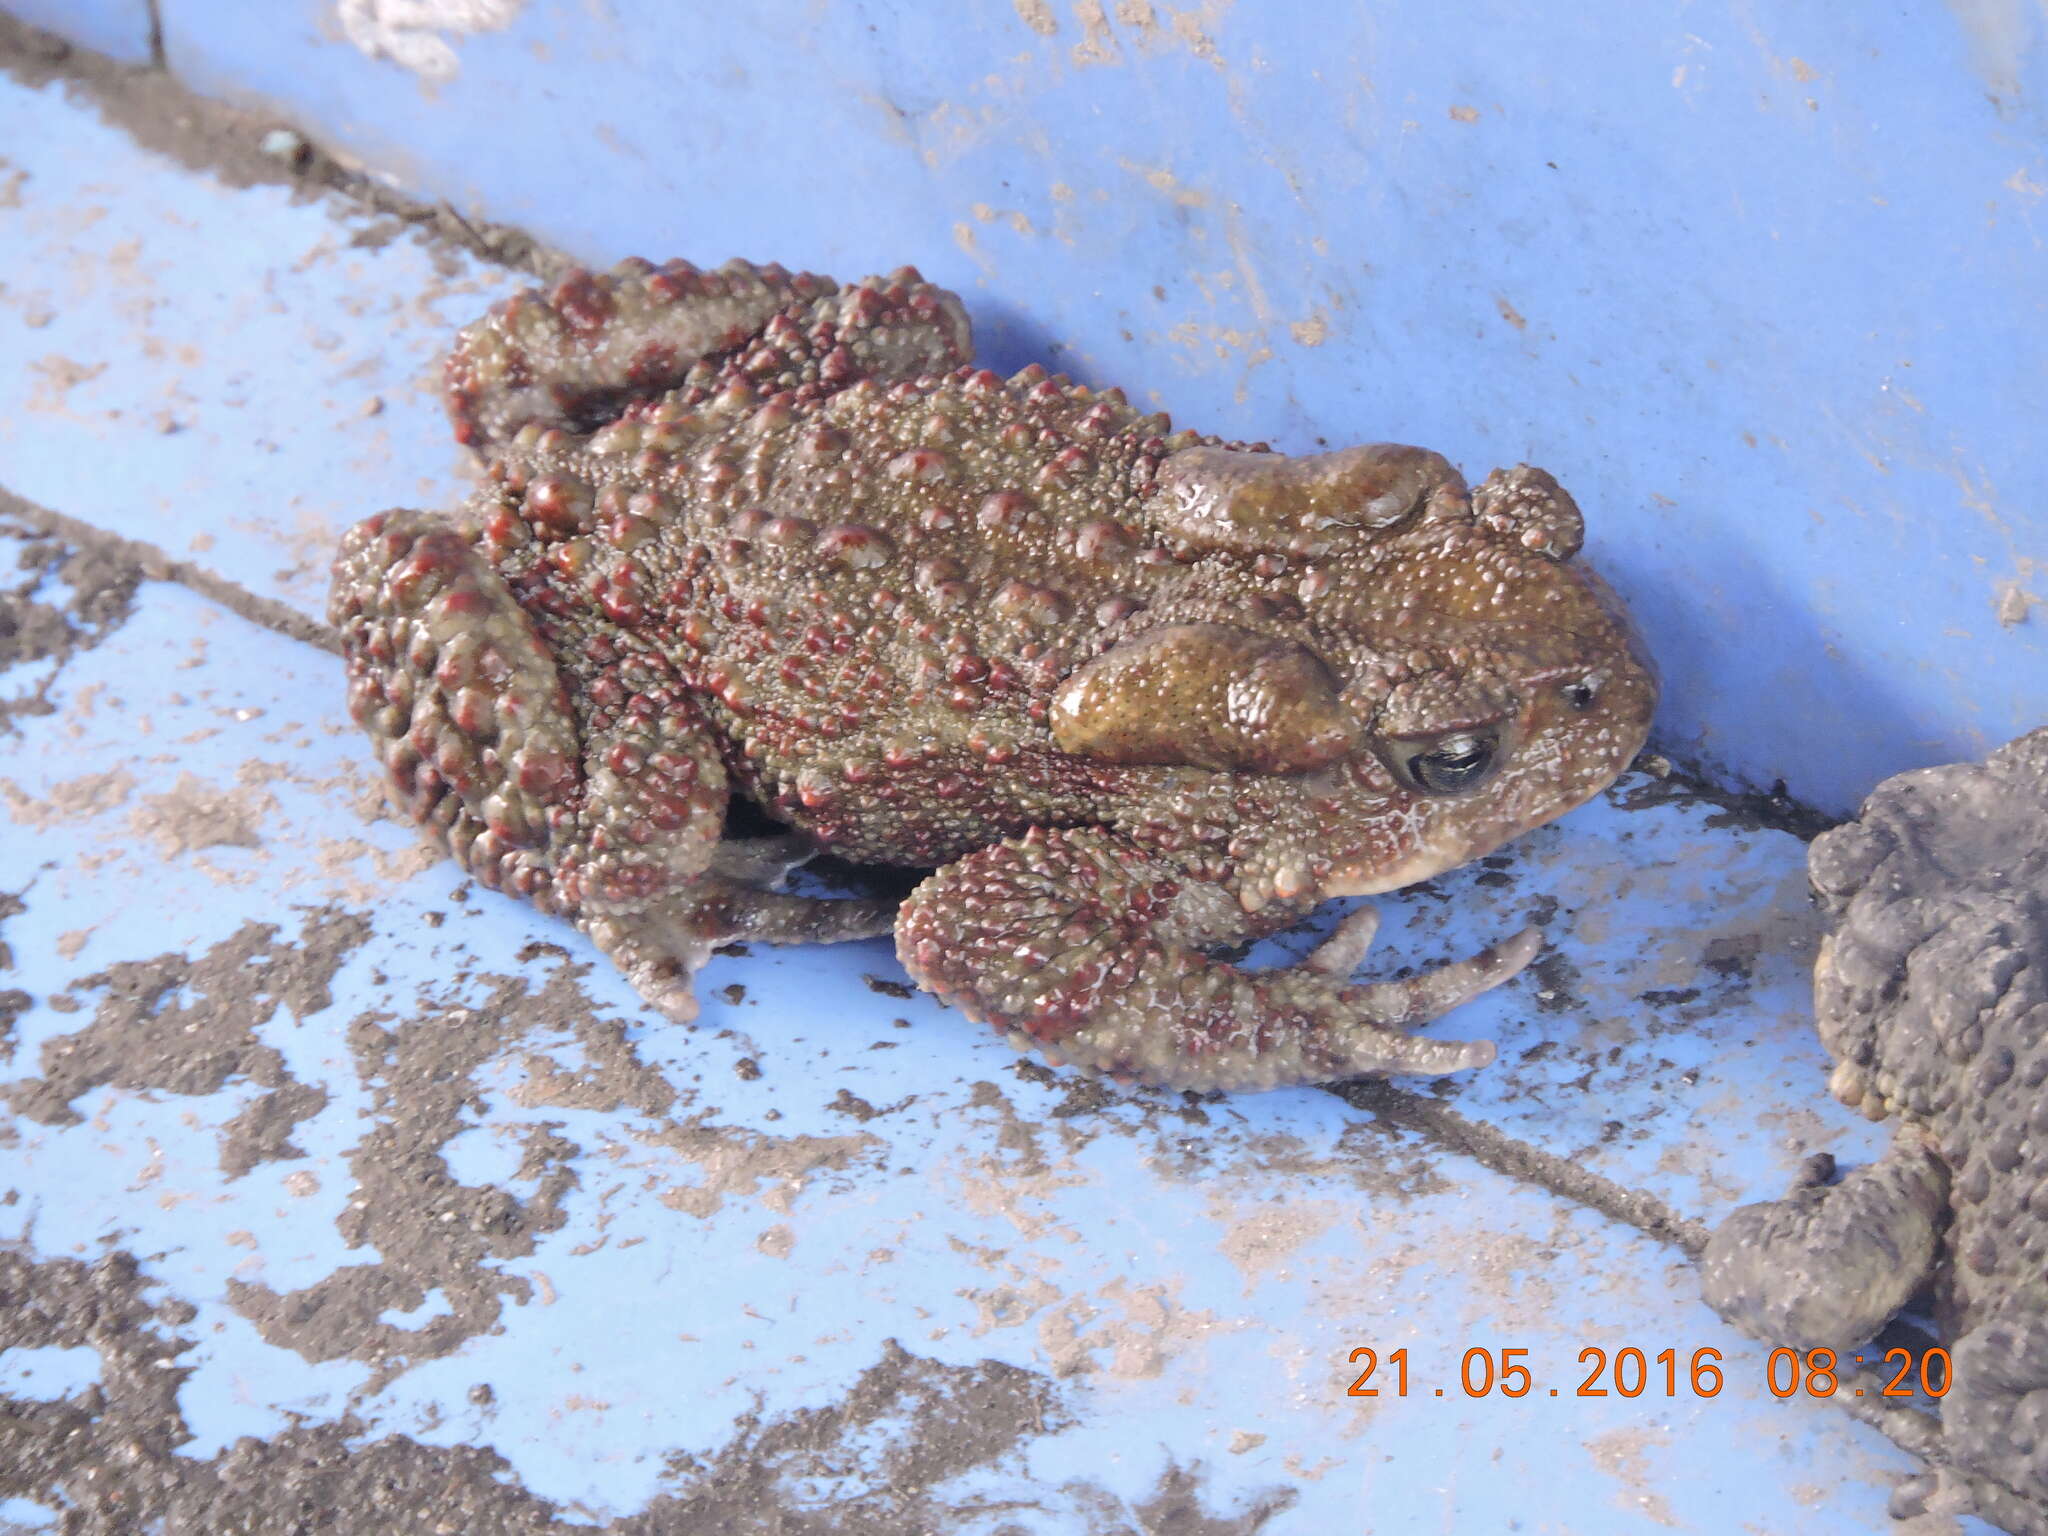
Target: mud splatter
38 624
1623 1454
947 1421
193 814
612 1076
434 1234
262 1133
57 1451
735 1160
1038 16
184 1026
13 1004
11 905
79 799
904 1428
1176 1507
430 1230
1128 1332
13 1001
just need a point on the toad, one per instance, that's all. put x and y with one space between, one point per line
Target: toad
1931 995
1135 694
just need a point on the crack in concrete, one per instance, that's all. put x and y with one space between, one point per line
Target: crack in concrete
35 627
148 562
242 149
1520 1161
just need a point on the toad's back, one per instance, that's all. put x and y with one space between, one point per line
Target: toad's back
887 568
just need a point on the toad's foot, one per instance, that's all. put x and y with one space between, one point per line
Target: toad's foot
1830 1264
1998 1380
1344 950
762 861
662 946
1081 944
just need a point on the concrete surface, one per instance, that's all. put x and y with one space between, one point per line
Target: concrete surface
335 1194
1760 282
122 29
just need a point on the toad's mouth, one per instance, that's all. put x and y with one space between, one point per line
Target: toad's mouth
1423 864
1455 846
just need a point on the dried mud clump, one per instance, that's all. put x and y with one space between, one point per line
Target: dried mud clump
55 601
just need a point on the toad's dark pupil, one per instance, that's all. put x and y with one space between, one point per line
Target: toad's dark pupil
1579 695
1457 764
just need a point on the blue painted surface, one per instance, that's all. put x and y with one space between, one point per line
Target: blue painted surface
117 28
1198 1283
1761 283
26 1515
47 1373
254 455
1183 1279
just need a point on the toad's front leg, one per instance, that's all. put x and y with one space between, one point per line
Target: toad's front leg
1079 942
1832 1263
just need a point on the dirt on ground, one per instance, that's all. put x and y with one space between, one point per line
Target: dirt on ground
245 147
56 599
108 1455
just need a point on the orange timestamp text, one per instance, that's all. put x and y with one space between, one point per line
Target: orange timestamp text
1632 1372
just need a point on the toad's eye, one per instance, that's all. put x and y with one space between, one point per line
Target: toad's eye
1580 694
1447 765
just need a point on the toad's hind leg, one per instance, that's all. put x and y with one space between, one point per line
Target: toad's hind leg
660 944
1079 941
448 677
577 354
612 819
1996 1406
573 354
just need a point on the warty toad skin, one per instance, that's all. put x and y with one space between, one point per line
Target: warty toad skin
1931 995
1135 694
